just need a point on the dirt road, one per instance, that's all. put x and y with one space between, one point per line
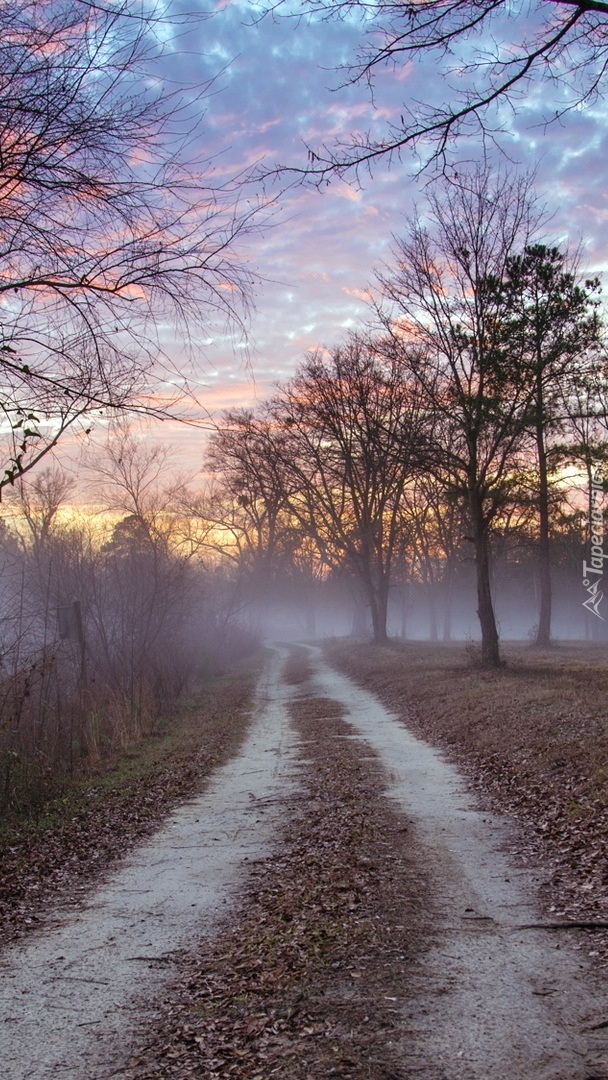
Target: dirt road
67 997
485 997
491 999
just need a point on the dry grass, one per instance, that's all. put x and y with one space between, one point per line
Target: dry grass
532 736
59 853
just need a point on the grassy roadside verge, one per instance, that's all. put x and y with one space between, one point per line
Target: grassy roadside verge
73 839
532 739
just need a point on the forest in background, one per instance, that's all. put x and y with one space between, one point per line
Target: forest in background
452 456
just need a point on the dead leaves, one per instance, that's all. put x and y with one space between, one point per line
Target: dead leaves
533 738
61 855
304 986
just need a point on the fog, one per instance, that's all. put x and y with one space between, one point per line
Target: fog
110 618
417 612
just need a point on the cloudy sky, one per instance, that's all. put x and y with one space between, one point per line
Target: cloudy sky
316 256
275 91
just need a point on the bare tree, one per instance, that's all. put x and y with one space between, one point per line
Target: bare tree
250 514
146 587
106 225
135 479
487 54
246 458
432 543
351 429
41 499
445 315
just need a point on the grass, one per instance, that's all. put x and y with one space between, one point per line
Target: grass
550 707
62 846
203 724
533 736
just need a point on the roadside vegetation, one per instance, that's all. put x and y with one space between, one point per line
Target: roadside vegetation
58 851
107 622
532 738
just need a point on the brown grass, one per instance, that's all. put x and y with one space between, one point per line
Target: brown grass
532 736
59 853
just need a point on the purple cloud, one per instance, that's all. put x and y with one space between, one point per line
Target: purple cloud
274 91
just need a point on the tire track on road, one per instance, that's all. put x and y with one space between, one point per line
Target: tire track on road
70 996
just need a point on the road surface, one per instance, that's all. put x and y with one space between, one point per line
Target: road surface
491 999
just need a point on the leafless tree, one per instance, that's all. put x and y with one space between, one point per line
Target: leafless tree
133 479
432 543
351 427
146 588
106 223
247 459
41 498
243 517
445 314
487 54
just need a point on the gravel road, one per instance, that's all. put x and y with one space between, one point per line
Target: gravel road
491 998
71 995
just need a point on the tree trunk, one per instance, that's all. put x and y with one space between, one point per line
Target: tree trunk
310 618
360 625
448 592
404 611
490 652
378 603
543 634
430 594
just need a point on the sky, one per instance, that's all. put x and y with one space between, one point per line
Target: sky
274 91
315 257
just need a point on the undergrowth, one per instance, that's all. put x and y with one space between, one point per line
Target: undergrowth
59 847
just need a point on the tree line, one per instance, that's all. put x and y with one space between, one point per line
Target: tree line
481 379
436 440
452 445
107 620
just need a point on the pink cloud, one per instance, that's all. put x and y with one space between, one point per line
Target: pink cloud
316 261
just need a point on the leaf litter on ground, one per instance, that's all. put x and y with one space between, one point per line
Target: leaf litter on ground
307 981
532 740
60 854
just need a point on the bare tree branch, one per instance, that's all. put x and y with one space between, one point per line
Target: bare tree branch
107 224
487 52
